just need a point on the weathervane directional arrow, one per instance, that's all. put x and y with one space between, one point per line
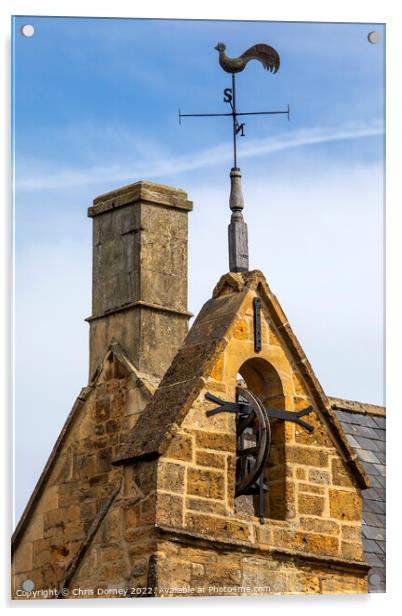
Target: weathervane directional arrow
237 231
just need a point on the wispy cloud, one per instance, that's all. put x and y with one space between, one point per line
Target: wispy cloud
124 170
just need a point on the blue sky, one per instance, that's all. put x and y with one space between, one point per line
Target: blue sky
95 107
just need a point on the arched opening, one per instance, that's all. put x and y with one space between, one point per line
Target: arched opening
260 377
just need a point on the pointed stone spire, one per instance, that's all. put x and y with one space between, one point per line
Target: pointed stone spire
237 230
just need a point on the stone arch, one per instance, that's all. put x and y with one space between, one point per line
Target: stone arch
262 379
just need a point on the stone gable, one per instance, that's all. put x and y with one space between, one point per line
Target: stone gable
139 492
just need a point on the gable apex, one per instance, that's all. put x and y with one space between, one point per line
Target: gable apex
191 367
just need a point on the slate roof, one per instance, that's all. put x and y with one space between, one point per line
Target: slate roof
364 426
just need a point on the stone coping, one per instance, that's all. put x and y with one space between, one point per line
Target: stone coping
157 194
353 406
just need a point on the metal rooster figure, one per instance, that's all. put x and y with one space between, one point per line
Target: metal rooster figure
237 230
267 55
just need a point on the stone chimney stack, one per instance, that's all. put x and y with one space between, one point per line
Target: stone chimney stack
139 293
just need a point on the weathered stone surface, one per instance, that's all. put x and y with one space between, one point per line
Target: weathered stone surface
206 505
196 555
128 272
310 504
307 455
281 500
206 483
319 476
345 505
352 533
171 476
209 458
343 584
215 526
320 437
223 575
181 447
340 475
23 558
215 440
217 370
306 542
317 525
170 509
173 574
350 550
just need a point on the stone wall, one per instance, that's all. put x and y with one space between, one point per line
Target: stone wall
321 519
74 504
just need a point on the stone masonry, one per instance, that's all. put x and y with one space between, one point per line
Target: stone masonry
137 498
139 278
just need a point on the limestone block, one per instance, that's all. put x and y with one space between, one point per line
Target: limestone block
264 581
352 550
300 473
319 476
41 552
320 437
223 575
197 573
310 504
136 401
306 542
35 528
206 483
281 500
209 458
49 500
311 488
173 574
215 440
343 584
23 558
351 533
309 456
171 476
169 509
344 505
180 447
317 525
196 555
263 534
206 505
340 475
215 526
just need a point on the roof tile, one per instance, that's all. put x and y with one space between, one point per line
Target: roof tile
366 434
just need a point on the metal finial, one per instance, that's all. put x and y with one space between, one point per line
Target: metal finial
237 230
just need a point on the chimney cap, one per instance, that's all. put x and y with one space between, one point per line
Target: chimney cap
159 194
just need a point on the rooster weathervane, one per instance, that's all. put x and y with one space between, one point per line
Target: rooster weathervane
237 231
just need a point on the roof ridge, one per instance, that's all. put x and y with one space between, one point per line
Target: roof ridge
354 406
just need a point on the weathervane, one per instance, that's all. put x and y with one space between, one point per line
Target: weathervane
237 231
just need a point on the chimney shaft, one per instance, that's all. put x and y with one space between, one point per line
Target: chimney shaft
139 276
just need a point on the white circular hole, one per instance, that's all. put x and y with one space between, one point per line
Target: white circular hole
373 37
27 30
